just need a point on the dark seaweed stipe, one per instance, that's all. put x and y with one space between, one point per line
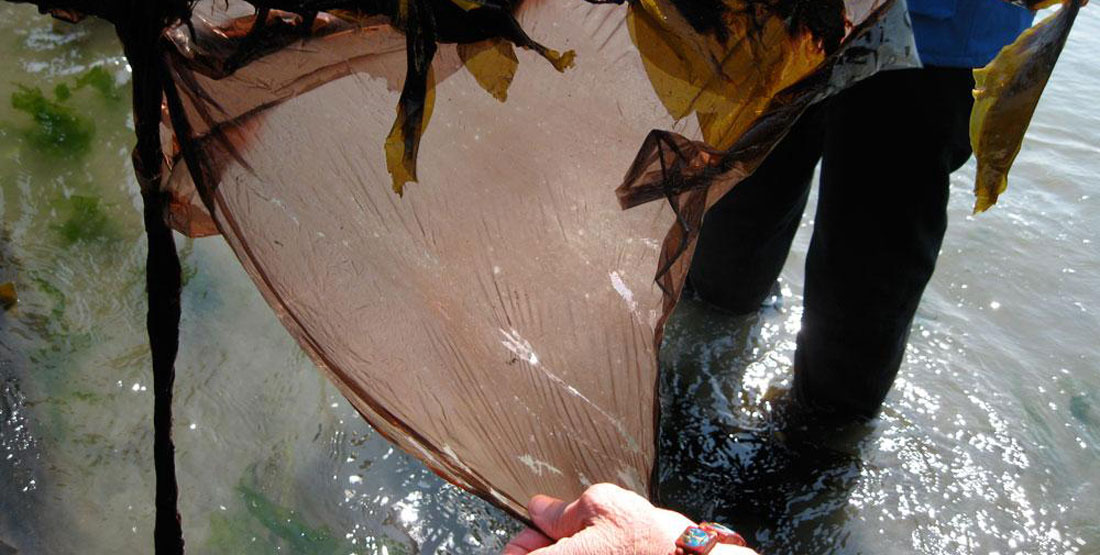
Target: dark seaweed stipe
139 25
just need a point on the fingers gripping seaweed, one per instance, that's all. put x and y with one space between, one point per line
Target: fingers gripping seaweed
1006 93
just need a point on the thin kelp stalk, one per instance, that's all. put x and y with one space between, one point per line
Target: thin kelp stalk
162 275
140 25
140 34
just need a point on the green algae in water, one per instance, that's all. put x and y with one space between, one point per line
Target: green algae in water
101 80
57 311
62 92
281 529
84 220
188 269
58 129
234 534
287 525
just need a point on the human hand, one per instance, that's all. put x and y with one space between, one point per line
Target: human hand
605 520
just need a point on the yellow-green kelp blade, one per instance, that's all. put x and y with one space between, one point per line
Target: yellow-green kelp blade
493 63
728 75
1006 93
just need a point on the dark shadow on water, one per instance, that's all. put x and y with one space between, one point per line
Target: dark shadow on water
20 458
731 455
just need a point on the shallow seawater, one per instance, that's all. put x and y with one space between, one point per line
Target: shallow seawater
990 439
989 442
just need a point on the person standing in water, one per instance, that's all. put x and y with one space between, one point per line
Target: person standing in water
887 148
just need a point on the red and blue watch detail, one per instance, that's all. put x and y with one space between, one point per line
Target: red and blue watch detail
702 539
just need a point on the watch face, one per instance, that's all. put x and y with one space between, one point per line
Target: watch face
722 530
725 534
697 540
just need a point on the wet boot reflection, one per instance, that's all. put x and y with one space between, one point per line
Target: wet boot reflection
731 454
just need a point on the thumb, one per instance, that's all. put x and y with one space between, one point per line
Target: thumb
526 542
585 542
556 518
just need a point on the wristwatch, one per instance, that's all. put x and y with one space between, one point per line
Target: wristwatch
701 539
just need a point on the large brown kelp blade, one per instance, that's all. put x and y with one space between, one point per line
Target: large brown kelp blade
500 321
1006 93
497 321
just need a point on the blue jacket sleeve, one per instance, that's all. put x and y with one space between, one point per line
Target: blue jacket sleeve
965 33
